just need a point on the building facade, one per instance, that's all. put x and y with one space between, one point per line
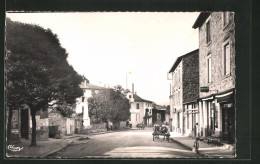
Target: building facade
139 108
217 74
184 93
82 102
160 115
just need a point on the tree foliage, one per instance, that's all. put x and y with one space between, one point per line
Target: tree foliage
37 71
109 104
66 110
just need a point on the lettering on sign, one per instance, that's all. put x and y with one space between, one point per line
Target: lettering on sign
204 89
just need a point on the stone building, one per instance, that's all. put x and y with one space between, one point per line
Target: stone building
217 74
184 93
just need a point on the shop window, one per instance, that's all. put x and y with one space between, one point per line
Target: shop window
178 120
216 119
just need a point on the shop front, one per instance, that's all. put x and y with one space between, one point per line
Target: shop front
227 106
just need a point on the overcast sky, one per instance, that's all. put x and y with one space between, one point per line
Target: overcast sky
104 46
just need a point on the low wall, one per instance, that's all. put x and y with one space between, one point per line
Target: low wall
65 125
95 128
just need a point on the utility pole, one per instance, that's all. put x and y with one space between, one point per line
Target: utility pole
126 81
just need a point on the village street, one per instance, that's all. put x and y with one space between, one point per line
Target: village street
124 144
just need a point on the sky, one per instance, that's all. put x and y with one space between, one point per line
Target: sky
120 48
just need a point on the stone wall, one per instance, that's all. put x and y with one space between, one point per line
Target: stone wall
219 36
56 119
42 124
177 96
191 77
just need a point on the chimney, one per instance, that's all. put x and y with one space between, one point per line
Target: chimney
133 88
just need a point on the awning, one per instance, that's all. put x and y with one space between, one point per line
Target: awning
209 98
227 97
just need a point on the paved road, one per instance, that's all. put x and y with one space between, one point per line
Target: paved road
124 144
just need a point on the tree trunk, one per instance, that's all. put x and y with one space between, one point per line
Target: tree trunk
33 141
9 124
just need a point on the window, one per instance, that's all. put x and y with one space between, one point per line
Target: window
225 18
208 32
227 59
209 68
83 98
137 106
82 109
130 96
136 116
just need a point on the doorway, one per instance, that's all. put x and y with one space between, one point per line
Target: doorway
24 123
228 125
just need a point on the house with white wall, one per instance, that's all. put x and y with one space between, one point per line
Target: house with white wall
82 102
139 106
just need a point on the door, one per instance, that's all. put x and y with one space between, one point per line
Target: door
184 125
228 125
24 123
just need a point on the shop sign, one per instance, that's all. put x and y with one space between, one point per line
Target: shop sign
204 89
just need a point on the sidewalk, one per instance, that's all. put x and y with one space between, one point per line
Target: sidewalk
43 148
208 151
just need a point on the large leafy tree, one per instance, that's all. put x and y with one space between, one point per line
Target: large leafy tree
37 71
109 104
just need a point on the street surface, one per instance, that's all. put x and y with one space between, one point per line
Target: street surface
124 144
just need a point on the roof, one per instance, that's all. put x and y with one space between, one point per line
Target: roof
139 99
90 86
159 107
178 60
201 19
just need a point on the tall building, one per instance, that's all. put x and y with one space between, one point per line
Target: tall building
217 74
184 93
